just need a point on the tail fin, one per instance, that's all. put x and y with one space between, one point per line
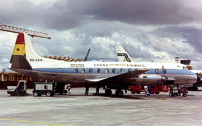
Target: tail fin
123 55
19 48
23 46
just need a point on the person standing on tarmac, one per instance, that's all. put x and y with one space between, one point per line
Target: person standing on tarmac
145 90
65 88
97 90
68 88
87 89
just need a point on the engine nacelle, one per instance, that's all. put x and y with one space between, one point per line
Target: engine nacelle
148 79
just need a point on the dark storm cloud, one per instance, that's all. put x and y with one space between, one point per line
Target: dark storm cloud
64 14
68 14
129 11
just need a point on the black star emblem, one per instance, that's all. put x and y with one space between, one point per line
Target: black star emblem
18 49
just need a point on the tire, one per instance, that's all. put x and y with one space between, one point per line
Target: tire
12 94
138 92
119 93
35 93
157 92
48 93
20 93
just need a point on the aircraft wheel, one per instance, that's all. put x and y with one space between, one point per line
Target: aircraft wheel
48 93
119 93
108 92
35 93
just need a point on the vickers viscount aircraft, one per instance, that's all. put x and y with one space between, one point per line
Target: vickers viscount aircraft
114 75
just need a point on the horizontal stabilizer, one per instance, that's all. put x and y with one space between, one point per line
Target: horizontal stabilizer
20 62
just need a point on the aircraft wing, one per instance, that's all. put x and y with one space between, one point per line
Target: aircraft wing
124 77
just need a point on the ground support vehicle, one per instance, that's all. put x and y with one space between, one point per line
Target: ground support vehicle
152 89
43 88
184 92
136 89
174 91
20 89
158 89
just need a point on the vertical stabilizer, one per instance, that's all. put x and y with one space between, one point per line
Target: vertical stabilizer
123 55
23 47
19 48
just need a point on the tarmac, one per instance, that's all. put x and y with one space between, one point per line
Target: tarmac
77 109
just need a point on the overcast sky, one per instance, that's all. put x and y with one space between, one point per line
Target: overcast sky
157 30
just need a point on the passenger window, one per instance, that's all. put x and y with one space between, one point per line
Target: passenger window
98 70
45 86
121 70
83 70
106 70
113 70
76 70
90 70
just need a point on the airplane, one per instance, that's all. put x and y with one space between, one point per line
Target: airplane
113 75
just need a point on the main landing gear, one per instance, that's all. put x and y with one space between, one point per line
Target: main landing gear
118 92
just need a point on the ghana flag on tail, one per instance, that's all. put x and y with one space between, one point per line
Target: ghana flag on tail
19 48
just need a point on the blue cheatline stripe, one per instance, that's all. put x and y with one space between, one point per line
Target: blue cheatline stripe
118 71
